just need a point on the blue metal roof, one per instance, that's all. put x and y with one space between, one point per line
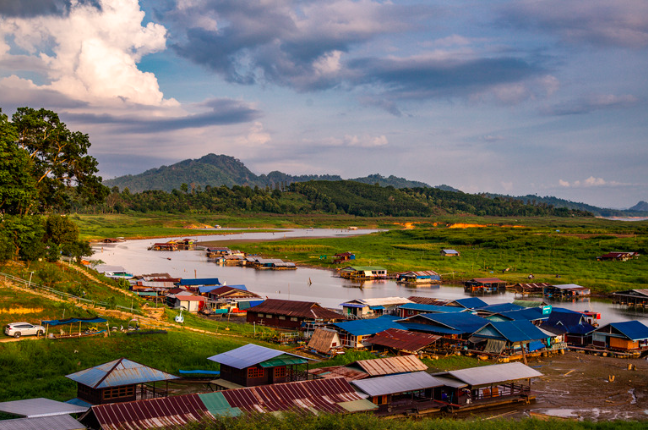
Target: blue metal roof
117 373
431 308
208 288
572 322
470 302
200 281
512 331
528 314
249 355
633 330
368 326
430 328
500 307
464 322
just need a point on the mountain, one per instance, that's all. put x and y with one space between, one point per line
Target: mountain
640 209
641 206
216 170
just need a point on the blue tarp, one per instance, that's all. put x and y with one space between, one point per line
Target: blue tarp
200 281
431 308
73 320
534 346
199 372
470 302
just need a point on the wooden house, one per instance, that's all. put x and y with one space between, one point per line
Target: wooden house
166 246
355 334
186 244
229 297
401 393
253 365
510 338
290 314
192 303
450 253
325 341
118 381
565 291
371 308
403 342
419 278
343 257
484 285
622 336
577 331
363 273
633 298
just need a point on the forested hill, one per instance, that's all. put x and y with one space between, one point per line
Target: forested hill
216 170
330 197
639 210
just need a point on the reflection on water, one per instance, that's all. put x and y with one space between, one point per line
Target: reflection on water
307 284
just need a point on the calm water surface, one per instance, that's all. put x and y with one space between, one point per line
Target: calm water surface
322 286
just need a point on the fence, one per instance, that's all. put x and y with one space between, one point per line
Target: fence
67 296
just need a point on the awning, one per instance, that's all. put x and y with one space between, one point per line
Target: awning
283 361
73 320
536 345
352 305
377 308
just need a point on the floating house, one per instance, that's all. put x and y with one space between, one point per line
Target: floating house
343 257
403 341
455 328
363 273
193 284
529 288
333 396
118 381
633 298
354 334
429 300
573 325
484 285
166 246
370 308
486 385
252 365
622 336
449 253
401 393
291 314
510 338
411 309
419 278
186 244
325 341
565 291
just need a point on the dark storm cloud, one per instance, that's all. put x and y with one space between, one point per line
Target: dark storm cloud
31 8
591 103
421 78
281 41
223 112
619 23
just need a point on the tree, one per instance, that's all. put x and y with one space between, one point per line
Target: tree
59 160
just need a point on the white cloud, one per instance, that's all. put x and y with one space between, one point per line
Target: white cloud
508 186
91 54
256 136
591 182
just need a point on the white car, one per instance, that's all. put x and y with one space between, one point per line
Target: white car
18 329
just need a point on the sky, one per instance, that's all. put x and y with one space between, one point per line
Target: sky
545 97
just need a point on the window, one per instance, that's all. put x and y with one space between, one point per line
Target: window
280 372
293 318
256 372
113 393
281 317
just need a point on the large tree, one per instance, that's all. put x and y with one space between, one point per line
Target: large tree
60 164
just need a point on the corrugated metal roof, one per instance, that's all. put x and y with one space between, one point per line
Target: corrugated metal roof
431 308
391 365
339 372
358 405
428 300
294 308
40 407
368 326
500 307
514 331
469 302
633 330
283 360
117 373
464 322
217 405
494 374
568 287
402 339
201 281
249 355
394 384
59 422
151 413
528 314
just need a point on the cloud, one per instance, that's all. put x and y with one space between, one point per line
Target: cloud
352 140
591 103
222 112
256 136
31 8
619 23
591 182
90 53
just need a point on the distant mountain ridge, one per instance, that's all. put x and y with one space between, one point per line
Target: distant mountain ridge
216 170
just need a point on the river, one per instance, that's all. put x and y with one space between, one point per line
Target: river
306 284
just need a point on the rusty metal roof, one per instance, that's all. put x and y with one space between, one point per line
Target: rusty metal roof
428 300
294 308
402 339
347 373
151 413
117 373
391 365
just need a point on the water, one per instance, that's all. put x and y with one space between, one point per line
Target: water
307 284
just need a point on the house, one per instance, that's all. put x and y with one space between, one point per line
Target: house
343 257
623 336
252 365
618 256
333 396
271 264
565 291
573 325
510 338
488 310
290 314
403 341
455 328
419 278
485 385
535 315
635 298
484 285
56 422
193 284
353 334
186 244
192 303
410 309
529 288
166 246
363 308
429 300
449 253
363 273
401 393
325 341
118 381
230 297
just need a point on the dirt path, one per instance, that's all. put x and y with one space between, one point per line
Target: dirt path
95 279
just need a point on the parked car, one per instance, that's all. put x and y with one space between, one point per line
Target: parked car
18 329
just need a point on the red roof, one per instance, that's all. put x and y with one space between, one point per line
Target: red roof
428 301
402 339
225 290
292 308
189 298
